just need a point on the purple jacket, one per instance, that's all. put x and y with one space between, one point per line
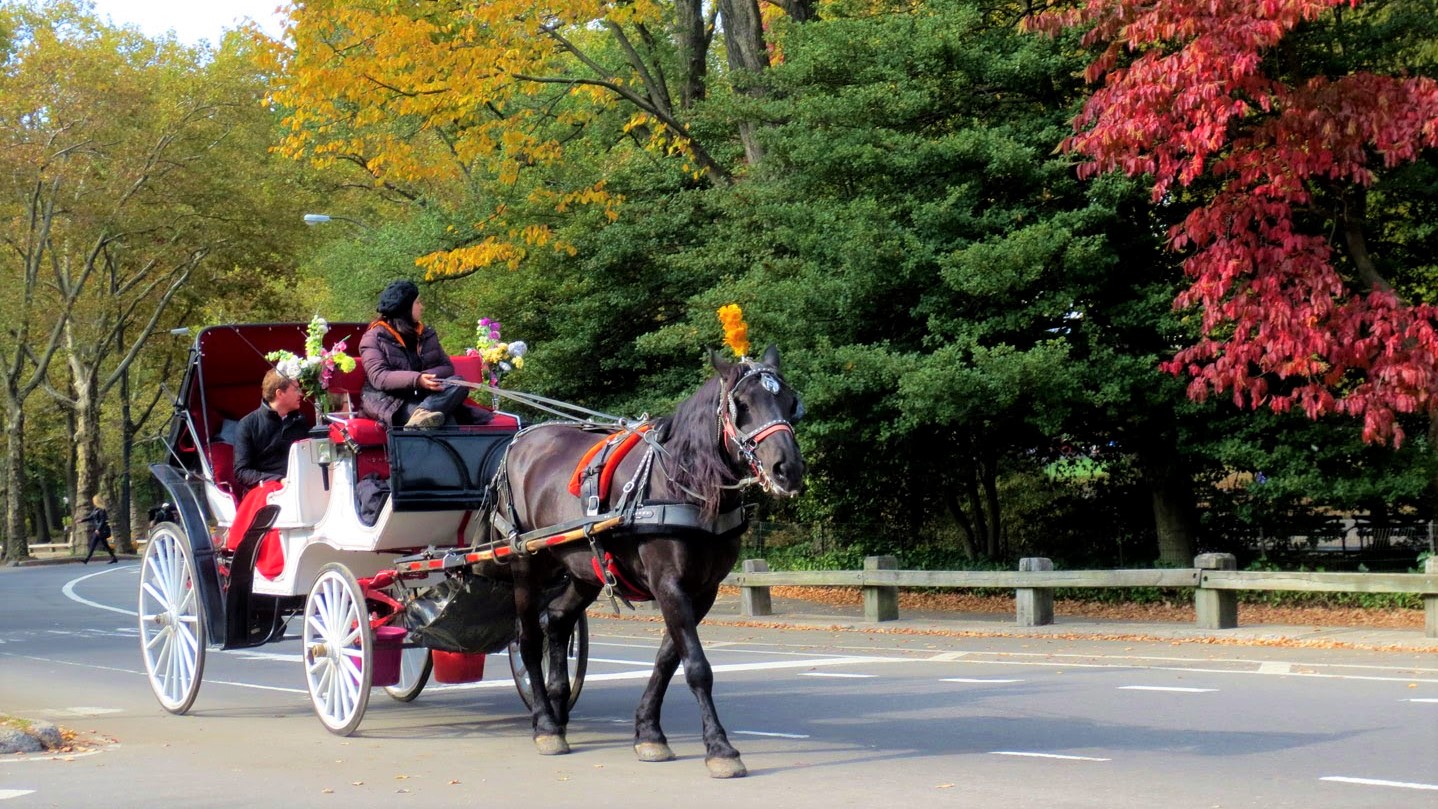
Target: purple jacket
392 371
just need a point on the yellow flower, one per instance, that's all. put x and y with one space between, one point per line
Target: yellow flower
736 331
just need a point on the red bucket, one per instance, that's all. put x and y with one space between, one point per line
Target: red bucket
387 643
458 667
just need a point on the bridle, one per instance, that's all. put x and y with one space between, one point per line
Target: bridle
744 443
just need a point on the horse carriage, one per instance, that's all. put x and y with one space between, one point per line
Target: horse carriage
410 554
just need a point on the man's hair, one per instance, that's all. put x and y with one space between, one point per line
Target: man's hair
274 383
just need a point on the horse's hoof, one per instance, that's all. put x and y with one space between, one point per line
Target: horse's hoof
726 767
653 751
551 745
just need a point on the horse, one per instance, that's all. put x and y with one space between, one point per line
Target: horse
734 431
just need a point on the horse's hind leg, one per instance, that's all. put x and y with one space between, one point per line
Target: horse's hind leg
548 730
681 644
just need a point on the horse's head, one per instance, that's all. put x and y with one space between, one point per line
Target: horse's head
756 412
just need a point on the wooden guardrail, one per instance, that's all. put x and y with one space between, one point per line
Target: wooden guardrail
1214 577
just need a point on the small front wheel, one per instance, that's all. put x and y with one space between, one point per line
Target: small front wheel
338 648
172 619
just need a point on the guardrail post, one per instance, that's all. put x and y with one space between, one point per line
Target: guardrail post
881 603
1430 602
754 601
1215 609
1034 605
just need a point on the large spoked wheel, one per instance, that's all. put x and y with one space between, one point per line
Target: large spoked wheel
415 665
576 659
172 619
338 649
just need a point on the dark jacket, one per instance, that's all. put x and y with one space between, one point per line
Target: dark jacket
392 369
262 444
99 520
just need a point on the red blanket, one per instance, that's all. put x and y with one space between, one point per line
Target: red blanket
271 560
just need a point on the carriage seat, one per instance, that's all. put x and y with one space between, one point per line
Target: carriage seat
222 463
368 438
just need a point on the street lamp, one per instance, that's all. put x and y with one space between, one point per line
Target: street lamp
313 219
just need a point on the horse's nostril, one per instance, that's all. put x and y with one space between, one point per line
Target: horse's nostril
789 475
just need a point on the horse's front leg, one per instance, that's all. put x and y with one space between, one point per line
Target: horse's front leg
548 729
650 743
682 615
562 615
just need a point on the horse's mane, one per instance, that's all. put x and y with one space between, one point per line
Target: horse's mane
696 459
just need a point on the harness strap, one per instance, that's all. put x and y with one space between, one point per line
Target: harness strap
594 474
610 573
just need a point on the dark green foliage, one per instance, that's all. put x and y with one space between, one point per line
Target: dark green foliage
958 311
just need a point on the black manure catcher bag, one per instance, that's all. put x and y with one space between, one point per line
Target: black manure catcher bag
463 614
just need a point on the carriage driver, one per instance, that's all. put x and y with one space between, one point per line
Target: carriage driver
263 439
404 365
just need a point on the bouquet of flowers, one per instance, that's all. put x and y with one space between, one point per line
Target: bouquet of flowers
499 357
736 331
315 369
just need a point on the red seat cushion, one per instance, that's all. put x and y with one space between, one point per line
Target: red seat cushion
470 369
222 464
362 431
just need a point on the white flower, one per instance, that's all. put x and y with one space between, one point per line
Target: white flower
517 348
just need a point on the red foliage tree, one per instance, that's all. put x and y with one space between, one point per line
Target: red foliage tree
1295 311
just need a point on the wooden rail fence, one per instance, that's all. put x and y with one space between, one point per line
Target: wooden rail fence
1214 577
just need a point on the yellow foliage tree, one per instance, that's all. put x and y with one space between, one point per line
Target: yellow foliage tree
446 103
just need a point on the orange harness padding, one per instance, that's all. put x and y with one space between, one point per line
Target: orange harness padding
607 452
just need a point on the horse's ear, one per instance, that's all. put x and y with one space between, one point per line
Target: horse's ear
717 360
771 356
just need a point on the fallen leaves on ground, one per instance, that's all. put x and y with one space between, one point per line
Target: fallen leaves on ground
1002 603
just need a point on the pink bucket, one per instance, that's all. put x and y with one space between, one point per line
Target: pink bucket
387 642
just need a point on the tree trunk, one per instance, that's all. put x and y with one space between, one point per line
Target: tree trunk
16 546
692 42
744 41
87 442
1174 518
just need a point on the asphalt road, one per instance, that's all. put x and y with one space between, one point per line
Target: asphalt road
824 719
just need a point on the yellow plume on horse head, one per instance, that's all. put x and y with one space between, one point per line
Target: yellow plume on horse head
736 331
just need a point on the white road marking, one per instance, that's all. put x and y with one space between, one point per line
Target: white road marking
1378 782
976 680
728 667
260 687
1046 755
1190 669
1174 688
1274 667
1423 699
775 735
7 794
617 662
945 657
835 674
69 591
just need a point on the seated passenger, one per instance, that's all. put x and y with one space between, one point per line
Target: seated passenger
263 438
404 364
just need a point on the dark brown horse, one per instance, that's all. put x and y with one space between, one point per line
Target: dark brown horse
691 467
